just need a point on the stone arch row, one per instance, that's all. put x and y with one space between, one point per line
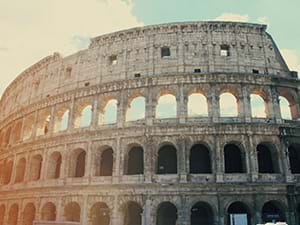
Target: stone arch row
200 161
132 212
88 112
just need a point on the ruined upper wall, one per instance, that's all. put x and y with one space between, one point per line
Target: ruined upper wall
137 51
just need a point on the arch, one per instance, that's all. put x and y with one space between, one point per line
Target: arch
99 214
294 158
54 166
35 167
285 109
43 124
234 159
106 163
86 116
61 120
135 161
202 213
20 173
29 214
77 166
258 106
166 214
13 215
167 160
2 214
166 106
48 212
17 132
272 211
72 212
109 113
267 159
8 167
200 161
228 105
133 214
238 213
136 109
197 105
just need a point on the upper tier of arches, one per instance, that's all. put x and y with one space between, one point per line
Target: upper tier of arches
199 47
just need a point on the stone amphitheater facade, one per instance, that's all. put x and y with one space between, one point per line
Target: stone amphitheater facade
182 170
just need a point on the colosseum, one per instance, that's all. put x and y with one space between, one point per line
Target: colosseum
192 123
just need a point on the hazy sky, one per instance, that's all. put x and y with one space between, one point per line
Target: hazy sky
33 29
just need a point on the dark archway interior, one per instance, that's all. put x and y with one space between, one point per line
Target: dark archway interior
238 214
100 214
167 214
264 157
133 214
294 157
201 213
49 212
200 159
271 212
135 164
167 160
233 159
72 212
106 164
80 165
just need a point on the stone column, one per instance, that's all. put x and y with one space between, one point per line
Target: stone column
52 120
146 217
44 165
181 105
283 160
181 155
121 109
275 104
84 212
253 159
150 107
148 156
213 106
219 160
34 129
95 112
246 103
88 166
116 217
116 160
71 114
14 170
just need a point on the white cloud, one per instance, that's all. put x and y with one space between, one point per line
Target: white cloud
31 30
292 59
233 17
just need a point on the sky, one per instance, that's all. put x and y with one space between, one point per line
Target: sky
33 29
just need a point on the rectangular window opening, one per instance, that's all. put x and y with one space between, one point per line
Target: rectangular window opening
197 70
224 50
113 60
255 71
165 52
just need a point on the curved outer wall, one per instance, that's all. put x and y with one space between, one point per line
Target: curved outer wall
127 64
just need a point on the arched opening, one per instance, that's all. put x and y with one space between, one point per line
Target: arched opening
234 160
77 163
16 135
272 212
267 159
13 215
136 109
8 167
20 173
2 214
238 214
294 157
61 120
99 214
72 212
135 162
197 105
200 161
29 214
166 214
36 167
285 109
201 213
166 107
49 212
106 163
133 214
258 106
44 119
228 105
109 112
86 116
28 126
54 165
167 160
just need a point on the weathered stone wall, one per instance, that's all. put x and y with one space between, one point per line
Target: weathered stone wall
31 148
